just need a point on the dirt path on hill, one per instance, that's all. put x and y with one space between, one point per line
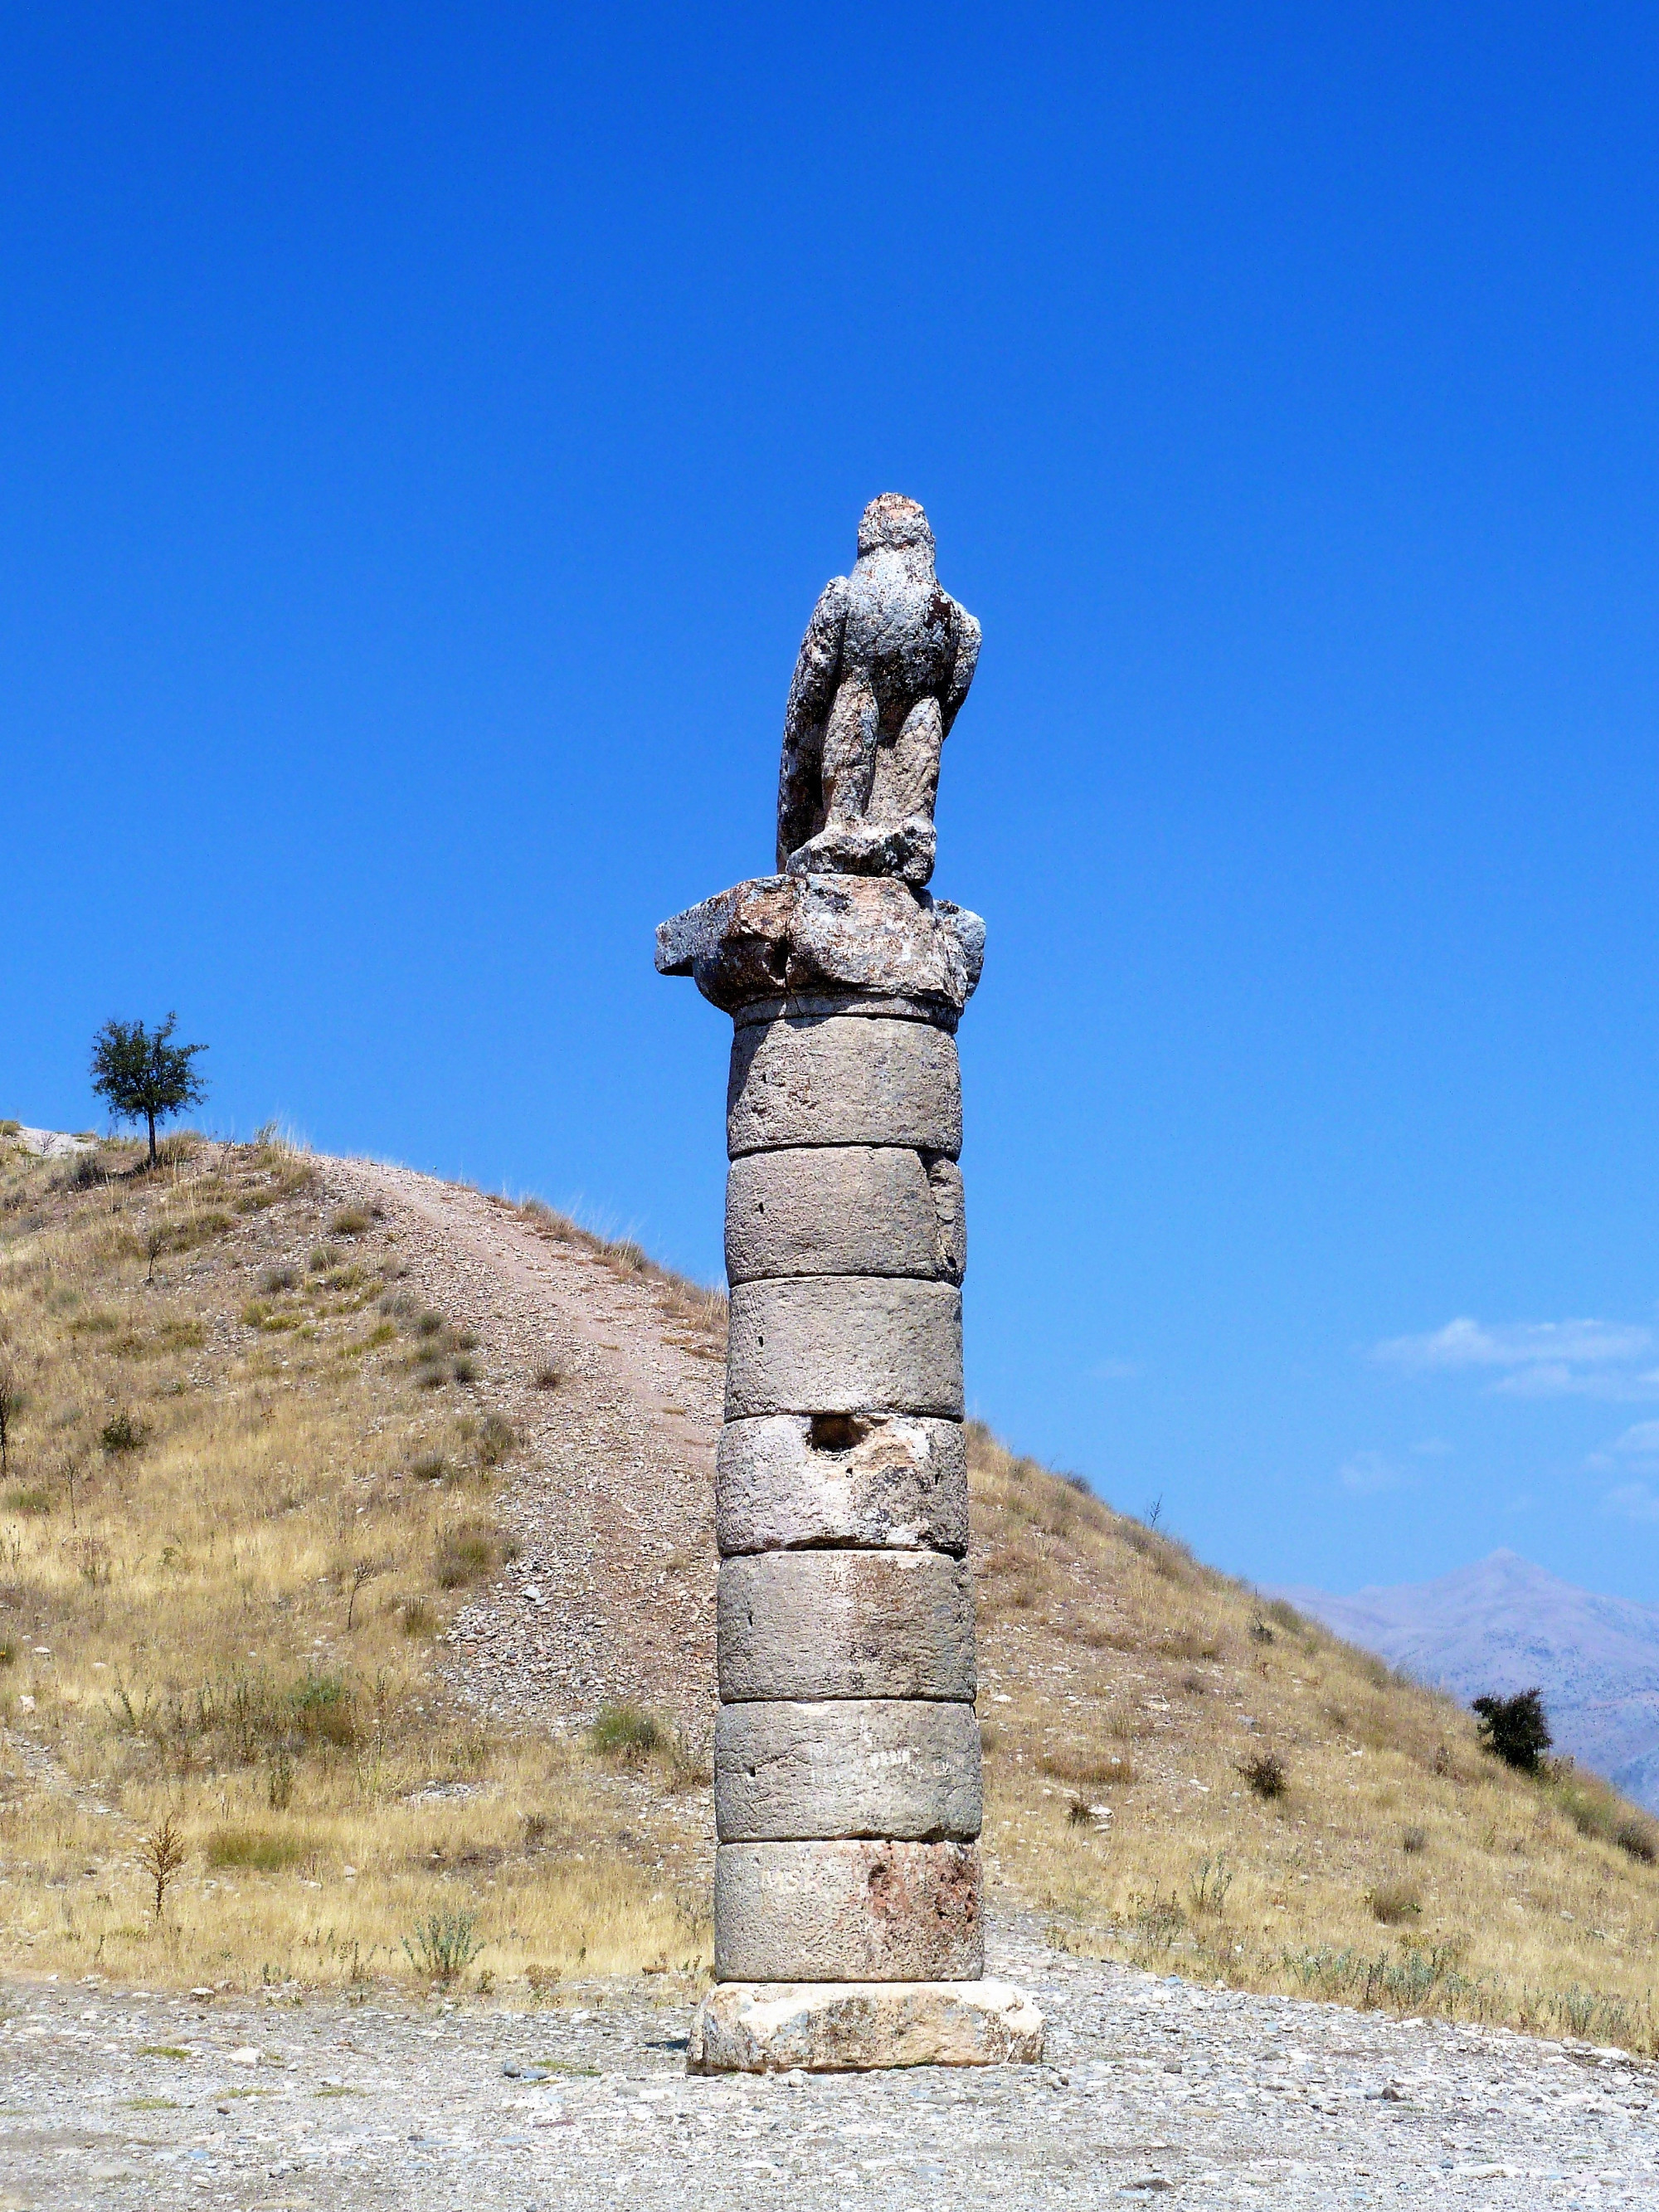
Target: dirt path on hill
611 1492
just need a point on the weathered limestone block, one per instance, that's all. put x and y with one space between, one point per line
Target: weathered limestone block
854 1766
791 1480
844 1210
843 1079
844 1344
847 1912
777 936
838 2027
812 1625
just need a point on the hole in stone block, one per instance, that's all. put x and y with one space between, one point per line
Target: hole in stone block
837 1431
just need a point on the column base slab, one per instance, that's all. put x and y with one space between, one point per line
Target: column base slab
849 2027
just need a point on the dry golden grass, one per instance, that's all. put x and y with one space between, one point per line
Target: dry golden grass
1125 1692
243 1499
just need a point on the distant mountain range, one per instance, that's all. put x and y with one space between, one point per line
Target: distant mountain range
1505 1625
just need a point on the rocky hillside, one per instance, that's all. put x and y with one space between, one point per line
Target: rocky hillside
362 1525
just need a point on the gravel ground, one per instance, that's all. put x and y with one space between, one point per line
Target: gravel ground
1153 2089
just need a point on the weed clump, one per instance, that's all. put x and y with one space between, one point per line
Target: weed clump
1265 1772
122 1432
1637 1837
1391 1902
497 1440
260 1850
1092 1770
468 1552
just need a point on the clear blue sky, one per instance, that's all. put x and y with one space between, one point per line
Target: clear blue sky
423 432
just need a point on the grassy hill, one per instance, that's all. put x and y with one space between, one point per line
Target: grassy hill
266 1468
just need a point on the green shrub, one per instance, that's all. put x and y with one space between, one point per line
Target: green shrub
123 1433
1515 1729
324 1710
29 1501
443 1945
625 1732
349 1221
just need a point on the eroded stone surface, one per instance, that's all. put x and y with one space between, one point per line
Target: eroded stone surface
782 935
844 1344
855 1766
788 1479
844 1210
846 1625
843 2027
847 1912
883 668
843 1079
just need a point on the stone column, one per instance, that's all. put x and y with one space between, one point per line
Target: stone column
847 1915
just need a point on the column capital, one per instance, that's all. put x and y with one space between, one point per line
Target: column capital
786 938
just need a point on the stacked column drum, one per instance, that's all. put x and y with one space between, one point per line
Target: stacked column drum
847 1758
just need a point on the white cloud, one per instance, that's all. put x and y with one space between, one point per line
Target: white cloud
1633 1501
1535 1359
1641 1442
1367 1474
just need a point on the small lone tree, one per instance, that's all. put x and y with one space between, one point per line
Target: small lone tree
143 1075
11 1404
1514 1729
